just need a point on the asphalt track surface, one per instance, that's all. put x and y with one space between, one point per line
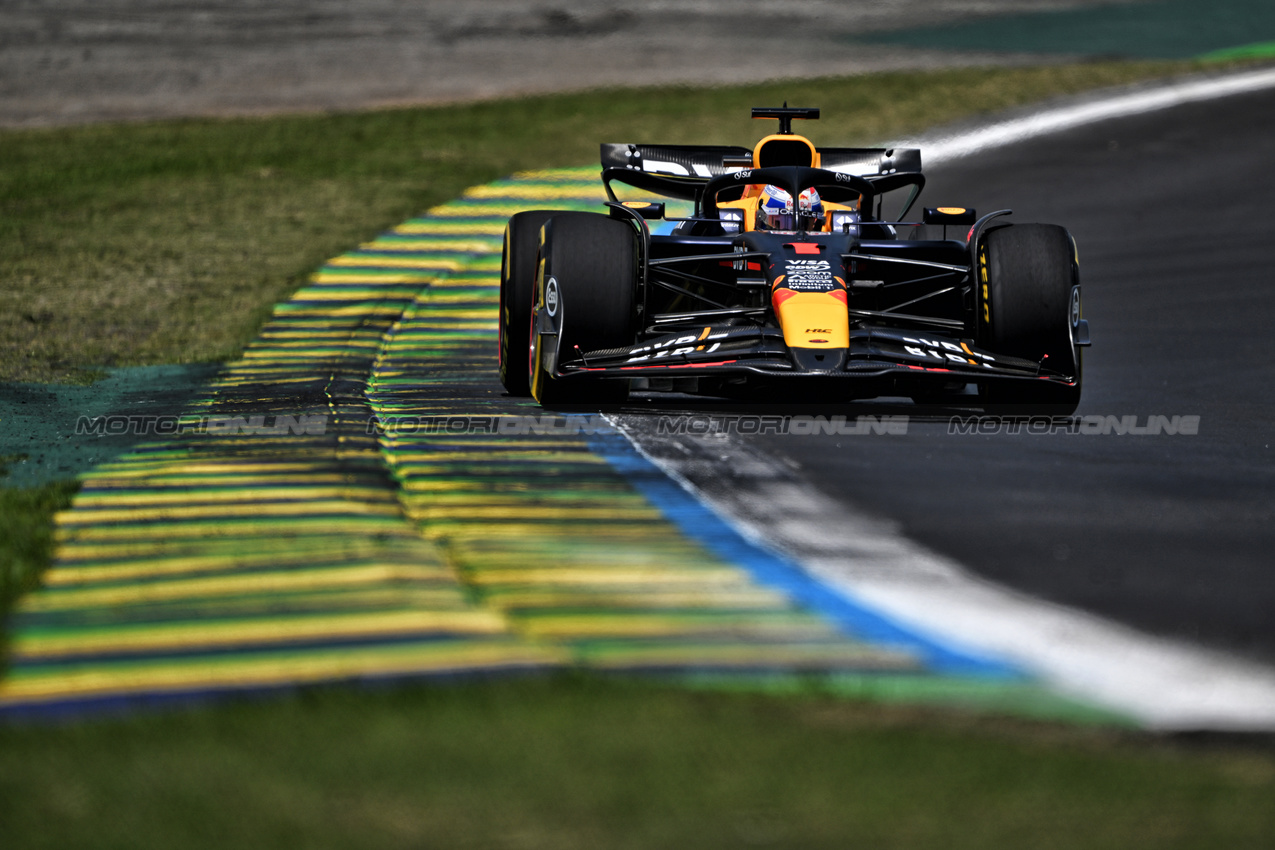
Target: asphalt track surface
1172 534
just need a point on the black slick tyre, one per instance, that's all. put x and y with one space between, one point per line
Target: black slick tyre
517 289
1025 309
591 262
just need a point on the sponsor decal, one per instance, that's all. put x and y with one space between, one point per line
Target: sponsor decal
660 167
946 351
808 275
551 296
982 276
671 348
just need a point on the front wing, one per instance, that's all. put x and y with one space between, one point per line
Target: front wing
873 352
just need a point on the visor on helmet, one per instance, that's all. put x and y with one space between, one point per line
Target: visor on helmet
776 211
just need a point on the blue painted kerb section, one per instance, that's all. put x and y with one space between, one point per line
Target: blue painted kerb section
774 570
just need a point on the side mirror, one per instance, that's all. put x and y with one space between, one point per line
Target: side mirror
646 209
949 215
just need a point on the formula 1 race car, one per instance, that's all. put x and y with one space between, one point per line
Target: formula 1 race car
787 275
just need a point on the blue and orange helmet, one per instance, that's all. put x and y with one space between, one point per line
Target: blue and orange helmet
775 210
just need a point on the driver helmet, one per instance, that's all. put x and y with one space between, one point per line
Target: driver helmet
775 210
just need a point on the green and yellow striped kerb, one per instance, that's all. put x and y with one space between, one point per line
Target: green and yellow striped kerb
224 561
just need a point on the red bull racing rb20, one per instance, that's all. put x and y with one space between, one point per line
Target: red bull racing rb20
788 276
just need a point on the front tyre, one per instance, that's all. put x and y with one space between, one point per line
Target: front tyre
592 262
517 289
1025 308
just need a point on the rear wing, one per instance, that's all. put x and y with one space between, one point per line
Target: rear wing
680 171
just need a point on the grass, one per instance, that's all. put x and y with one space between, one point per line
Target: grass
26 535
584 762
168 242
26 540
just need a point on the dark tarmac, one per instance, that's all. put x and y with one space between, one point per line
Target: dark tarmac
1174 534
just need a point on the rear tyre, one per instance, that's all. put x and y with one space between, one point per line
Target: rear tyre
592 261
517 289
1024 303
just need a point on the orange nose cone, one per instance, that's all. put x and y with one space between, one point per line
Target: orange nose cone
813 319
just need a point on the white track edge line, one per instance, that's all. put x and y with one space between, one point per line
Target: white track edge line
942 148
1163 684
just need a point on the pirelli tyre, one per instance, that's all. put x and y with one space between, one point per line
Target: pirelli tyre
517 288
1027 305
589 291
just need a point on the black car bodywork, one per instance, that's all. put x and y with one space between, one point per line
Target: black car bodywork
859 307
